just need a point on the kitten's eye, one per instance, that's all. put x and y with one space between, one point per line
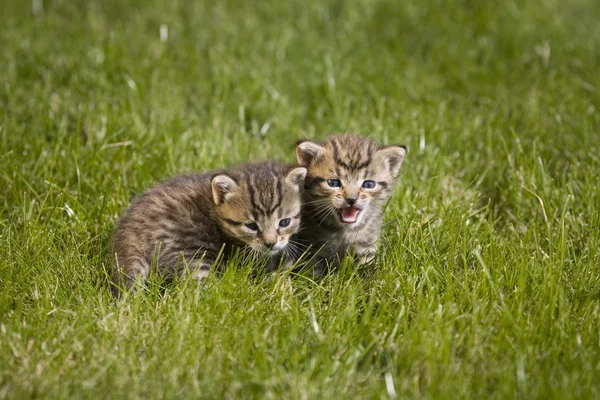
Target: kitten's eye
368 184
285 222
252 226
334 182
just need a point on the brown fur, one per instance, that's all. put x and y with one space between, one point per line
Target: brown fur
351 160
186 221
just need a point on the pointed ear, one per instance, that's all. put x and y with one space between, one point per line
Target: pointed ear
307 152
223 187
392 157
296 177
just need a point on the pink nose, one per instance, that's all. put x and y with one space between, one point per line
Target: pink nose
269 240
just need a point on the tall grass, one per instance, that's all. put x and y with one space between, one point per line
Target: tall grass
488 281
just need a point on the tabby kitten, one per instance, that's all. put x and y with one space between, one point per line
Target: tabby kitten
348 181
183 223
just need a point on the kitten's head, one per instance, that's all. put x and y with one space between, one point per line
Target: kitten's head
259 204
349 177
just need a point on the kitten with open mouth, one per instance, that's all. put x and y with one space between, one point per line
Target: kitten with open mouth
349 215
349 179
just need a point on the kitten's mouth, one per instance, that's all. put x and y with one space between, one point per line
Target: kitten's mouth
349 215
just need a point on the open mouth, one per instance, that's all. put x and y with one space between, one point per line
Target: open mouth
349 215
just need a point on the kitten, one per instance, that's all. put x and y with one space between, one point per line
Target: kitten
348 181
185 222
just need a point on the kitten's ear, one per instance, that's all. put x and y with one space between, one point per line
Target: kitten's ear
392 157
296 177
307 152
223 187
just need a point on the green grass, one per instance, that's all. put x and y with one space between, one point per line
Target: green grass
488 282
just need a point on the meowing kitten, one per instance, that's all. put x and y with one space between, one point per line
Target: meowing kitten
184 222
348 181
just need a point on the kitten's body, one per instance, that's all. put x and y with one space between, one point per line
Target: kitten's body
187 221
345 218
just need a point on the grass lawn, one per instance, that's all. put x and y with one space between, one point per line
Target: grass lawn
488 280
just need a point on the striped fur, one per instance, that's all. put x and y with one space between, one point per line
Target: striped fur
348 161
184 222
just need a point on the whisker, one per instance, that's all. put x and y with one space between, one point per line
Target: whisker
320 210
294 251
291 252
319 206
298 249
325 200
298 244
331 211
317 203
323 210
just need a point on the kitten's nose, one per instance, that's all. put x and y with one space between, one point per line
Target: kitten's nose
351 200
270 244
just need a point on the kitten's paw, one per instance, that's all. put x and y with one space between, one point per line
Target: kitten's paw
131 278
201 271
366 259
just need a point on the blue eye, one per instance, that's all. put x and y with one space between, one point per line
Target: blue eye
334 182
252 226
368 184
285 222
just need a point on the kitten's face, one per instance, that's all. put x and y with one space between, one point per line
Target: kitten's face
260 206
348 177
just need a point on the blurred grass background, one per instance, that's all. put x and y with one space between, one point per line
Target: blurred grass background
488 281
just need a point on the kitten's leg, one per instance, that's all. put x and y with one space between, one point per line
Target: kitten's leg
366 254
314 266
200 270
286 265
199 266
186 263
131 275
275 265
280 263
319 270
